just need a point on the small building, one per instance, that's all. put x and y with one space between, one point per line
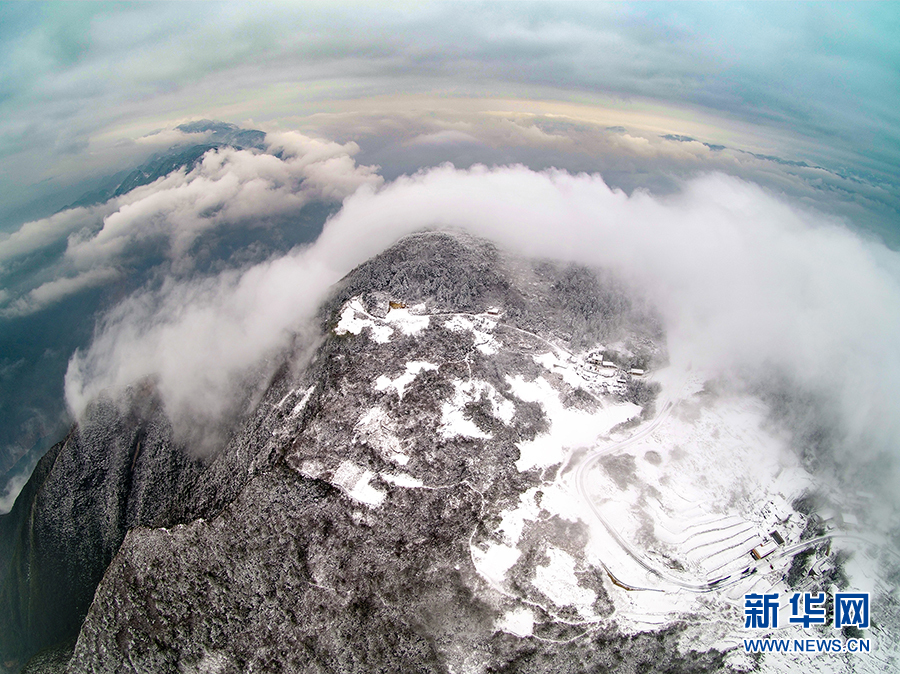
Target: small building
608 364
493 311
828 517
395 304
763 550
818 568
850 519
778 538
636 372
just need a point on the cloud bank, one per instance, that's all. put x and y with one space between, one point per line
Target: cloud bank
743 280
228 188
52 292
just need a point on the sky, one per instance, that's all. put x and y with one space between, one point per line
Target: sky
81 81
737 162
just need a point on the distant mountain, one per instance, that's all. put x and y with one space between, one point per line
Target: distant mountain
220 134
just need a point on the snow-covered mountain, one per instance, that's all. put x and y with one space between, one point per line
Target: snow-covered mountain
481 464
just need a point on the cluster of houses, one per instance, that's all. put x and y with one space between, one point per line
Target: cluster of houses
604 374
596 362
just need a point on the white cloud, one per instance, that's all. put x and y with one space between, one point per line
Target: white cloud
34 236
742 279
444 137
137 67
11 492
200 339
53 291
227 187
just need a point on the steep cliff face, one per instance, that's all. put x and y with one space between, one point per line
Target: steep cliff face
360 521
118 470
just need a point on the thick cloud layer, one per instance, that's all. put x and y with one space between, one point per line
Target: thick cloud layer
229 188
744 281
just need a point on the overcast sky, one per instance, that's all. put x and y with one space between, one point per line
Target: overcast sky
80 81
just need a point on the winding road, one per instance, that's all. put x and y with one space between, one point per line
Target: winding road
589 463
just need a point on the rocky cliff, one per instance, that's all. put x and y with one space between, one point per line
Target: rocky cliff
117 471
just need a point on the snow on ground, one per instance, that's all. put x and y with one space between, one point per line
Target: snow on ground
558 581
705 487
399 384
512 521
561 366
403 480
313 468
376 428
354 480
302 402
569 428
481 328
687 495
298 407
354 318
677 503
453 411
519 621
408 321
286 428
639 611
494 561
693 497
